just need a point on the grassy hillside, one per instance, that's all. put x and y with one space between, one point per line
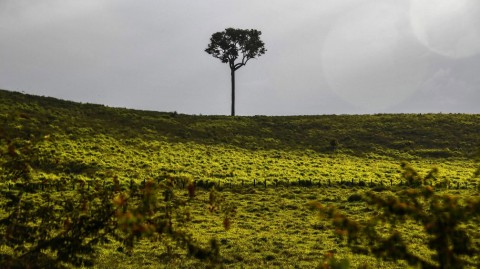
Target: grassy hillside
86 140
423 135
64 166
63 162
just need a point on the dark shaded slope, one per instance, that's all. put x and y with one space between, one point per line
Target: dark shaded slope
425 135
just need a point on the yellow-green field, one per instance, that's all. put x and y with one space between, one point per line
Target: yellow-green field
273 228
99 182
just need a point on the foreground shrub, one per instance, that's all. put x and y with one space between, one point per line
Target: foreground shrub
444 218
54 228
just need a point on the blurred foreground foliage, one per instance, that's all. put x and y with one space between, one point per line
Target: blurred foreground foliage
60 224
449 221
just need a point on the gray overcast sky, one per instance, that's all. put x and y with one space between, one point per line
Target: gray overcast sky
324 57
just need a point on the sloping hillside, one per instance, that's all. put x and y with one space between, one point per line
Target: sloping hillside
423 135
70 162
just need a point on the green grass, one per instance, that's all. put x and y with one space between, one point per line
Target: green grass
273 226
406 135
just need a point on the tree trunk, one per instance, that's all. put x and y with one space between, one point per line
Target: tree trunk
233 91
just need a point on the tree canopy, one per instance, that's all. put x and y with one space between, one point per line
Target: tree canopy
232 43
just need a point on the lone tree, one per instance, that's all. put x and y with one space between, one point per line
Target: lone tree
231 44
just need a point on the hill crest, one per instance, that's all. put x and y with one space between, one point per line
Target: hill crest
421 135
